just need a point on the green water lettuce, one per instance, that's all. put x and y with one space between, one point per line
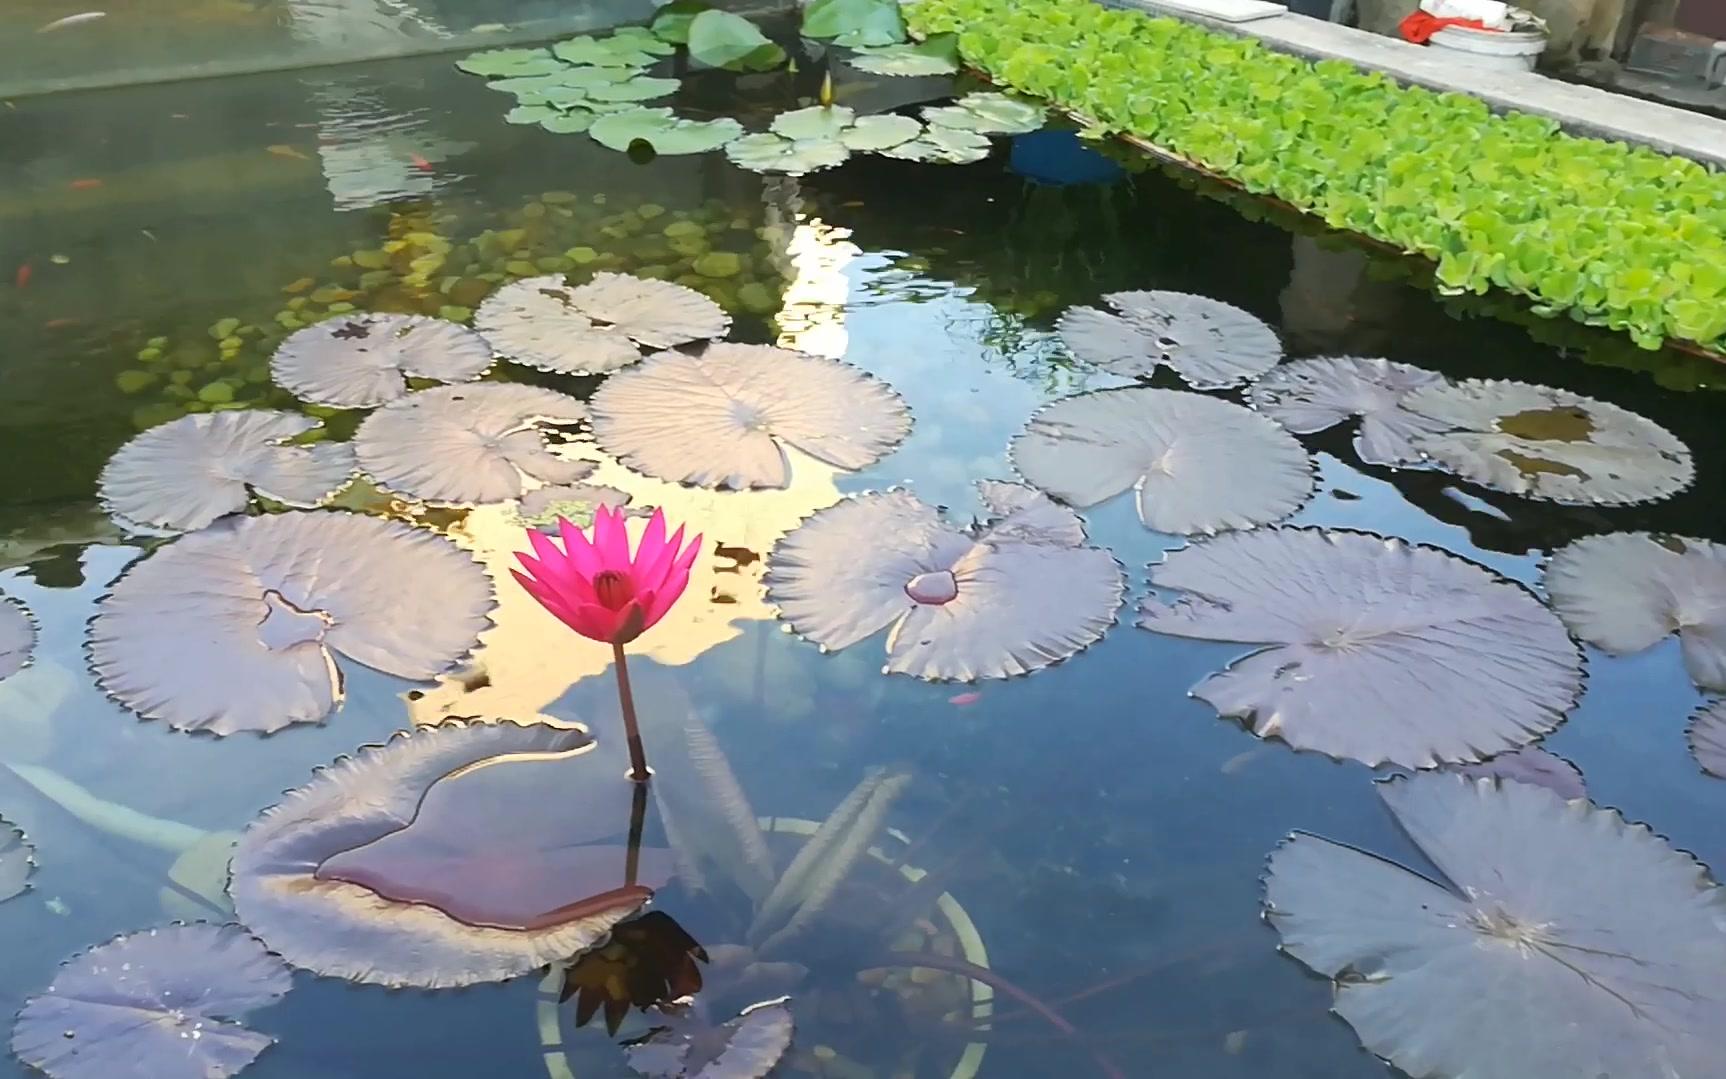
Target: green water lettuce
1611 235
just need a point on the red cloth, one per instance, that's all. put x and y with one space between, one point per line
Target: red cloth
1420 26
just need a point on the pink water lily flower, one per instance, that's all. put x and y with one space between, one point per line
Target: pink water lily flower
598 588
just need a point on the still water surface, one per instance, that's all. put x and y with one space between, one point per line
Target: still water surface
1104 830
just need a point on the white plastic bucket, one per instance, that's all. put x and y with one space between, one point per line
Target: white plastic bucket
1513 50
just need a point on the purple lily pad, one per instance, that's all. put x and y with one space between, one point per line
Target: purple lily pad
655 314
17 860
465 853
721 418
1558 941
990 602
239 627
1626 591
1194 463
17 637
1370 648
1308 396
160 1004
187 473
1210 344
365 360
467 445
1530 764
747 1047
1707 736
535 323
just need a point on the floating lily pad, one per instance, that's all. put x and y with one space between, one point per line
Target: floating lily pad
163 1003
511 63
724 39
576 502
467 445
880 132
533 89
962 604
1308 396
531 114
1559 940
905 60
1626 591
186 473
989 114
656 314
17 637
361 817
814 122
943 146
747 1047
618 50
1550 444
720 418
536 323
671 22
1194 463
1372 649
854 23
1530 764
767 152
1707 736
17 860
239 627
1210 344
639 89
573 122
365 360
663 130
1026 515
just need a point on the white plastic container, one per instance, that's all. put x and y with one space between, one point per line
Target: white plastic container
1505 50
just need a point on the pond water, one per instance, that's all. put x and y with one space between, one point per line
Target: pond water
1103 832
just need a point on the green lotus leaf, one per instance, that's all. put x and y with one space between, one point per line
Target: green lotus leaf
943 145
663 130
937 56
641 89
767 152
855 23
815 122
672 22
724 40
880 132
573 122
530 114
989 114
501 62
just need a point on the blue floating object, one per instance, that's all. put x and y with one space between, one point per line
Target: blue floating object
1058 157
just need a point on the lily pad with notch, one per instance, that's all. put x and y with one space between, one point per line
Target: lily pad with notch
510 63
855 23
1550 444
17 636
1193 463
724 39
17 861
1210 344
943 146
663 130
1369 648
652 313
989 113
764 151
453 855
1557 939
1530 764
245 625
615 50
935 55
722 417
747 1047
187 473
365 360
536 323
1624 592
164 1003
1308 396
1707 737
995 600
468 445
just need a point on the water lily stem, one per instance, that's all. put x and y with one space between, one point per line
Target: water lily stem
631 730
637 819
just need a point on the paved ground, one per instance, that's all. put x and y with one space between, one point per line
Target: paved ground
1583 110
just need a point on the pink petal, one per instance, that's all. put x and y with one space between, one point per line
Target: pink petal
578 550
558 576
652 540
651 574
610 539
649 613
666 597
549 553
596 622
548 598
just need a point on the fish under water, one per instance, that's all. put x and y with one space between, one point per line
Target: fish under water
73 20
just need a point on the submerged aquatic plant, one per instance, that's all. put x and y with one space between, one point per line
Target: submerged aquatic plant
606 594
